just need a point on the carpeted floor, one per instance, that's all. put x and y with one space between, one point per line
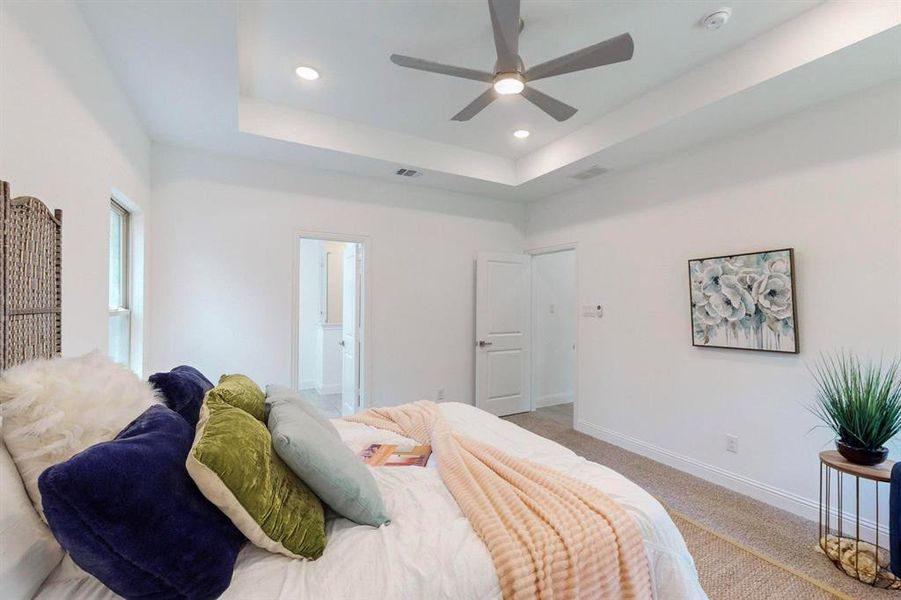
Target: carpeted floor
328 404
779 536
729 571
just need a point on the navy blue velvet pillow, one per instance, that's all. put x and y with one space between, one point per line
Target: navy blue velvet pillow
183 389
129 514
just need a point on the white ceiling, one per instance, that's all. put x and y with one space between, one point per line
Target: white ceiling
350 42
219 75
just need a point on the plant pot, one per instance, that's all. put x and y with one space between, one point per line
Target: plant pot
861 456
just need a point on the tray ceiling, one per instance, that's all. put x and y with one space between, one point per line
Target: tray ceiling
220 76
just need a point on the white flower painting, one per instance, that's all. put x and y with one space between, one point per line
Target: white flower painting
744 301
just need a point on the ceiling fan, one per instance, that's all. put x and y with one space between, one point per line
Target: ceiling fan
511 77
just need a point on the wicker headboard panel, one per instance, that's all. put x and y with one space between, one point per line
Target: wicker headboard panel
31 274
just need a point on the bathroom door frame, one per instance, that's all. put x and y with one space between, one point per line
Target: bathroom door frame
364 246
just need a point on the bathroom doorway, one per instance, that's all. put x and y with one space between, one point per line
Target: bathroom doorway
330 351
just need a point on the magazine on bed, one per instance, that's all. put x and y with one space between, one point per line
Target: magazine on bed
392 455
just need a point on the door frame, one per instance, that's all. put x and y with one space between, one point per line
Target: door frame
553 249
352 262
365 246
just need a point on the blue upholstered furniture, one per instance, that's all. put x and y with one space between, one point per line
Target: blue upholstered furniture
894 519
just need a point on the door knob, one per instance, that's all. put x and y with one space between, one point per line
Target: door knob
483 343
341 343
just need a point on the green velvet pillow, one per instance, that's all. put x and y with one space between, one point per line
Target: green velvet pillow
241 392
324 463
234 466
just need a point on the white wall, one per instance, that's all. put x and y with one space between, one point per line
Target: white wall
553 328
223 269
826 182
68 136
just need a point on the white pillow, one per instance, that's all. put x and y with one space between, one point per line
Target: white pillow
28 551
54 408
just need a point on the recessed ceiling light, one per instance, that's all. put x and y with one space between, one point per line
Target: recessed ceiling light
521 133
308 73
509 83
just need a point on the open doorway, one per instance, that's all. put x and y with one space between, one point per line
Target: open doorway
330 340
554 330
525 333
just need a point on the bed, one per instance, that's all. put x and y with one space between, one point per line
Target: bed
429 551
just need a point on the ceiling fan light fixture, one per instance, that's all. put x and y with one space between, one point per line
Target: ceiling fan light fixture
308 73
509 83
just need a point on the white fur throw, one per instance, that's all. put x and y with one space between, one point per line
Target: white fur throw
54 408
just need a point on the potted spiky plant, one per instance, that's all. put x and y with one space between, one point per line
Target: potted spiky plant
861 403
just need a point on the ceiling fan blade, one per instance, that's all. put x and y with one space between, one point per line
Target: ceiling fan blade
476 106
559 110
433 67
614 50
505 24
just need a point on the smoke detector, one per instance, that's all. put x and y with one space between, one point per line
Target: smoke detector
717 18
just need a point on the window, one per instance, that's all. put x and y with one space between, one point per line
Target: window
119 312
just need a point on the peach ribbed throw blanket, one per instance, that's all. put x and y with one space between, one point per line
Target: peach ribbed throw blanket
550 536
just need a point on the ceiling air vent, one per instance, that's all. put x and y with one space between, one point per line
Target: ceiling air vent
408 173
590 173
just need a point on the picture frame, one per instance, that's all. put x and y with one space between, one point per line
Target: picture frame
745 301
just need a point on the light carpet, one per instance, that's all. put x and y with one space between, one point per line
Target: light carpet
783 538
731 571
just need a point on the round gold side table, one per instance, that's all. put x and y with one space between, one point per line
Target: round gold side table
843 545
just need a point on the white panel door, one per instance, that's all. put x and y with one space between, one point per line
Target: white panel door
350 340
502 333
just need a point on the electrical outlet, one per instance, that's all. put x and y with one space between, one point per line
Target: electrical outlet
732 443
439 394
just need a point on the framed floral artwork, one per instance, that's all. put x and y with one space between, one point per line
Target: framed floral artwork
745 301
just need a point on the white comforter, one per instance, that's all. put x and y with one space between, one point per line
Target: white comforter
429 551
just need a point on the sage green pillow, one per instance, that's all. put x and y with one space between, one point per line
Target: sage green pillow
241 392
280 393
324 463
234 466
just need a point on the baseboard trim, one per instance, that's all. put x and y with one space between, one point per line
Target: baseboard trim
553 400
789 501
306 384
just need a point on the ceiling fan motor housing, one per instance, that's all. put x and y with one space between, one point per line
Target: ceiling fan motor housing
520 66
